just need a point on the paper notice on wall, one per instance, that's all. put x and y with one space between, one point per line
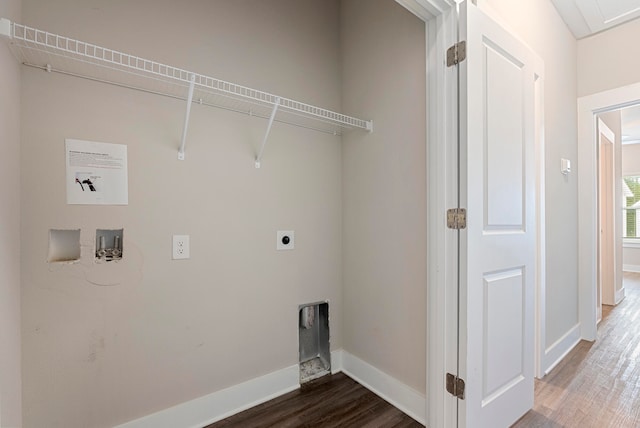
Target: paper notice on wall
96 173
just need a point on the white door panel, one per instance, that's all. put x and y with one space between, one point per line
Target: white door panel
502 359
503 163
497 128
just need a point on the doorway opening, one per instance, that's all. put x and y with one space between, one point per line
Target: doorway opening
618 204
590 109
503 192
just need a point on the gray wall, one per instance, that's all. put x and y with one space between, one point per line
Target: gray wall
104 344
10 372
384 182
167 331
539 25
608 60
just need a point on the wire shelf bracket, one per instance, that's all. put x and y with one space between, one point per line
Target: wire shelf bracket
266 134
55 53
192 83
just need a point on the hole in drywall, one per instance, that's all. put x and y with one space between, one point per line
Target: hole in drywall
314 352
64 245
109 244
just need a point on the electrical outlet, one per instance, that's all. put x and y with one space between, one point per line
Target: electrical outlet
180 247
285 240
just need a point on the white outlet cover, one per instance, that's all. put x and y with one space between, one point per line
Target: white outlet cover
180 247
280 236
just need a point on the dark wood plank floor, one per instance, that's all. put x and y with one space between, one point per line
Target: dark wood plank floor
328 402
597 384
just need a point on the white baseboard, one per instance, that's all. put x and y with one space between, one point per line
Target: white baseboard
227 402
388 388
556 352
222 404
336 361
631 268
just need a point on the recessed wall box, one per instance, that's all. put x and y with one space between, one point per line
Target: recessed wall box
109 244
64 245
314 341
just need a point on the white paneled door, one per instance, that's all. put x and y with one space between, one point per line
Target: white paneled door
498 247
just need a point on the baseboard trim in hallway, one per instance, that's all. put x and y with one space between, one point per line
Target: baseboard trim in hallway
631 268
560 349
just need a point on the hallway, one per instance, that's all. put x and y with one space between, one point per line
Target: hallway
597 384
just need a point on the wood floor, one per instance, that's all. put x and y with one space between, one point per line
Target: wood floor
328 402
597 384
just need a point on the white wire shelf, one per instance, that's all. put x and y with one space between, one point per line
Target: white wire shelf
55 53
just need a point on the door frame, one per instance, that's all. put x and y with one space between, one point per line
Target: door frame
588 107
442 174
601 291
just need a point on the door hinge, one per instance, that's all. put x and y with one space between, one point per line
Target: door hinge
456 53
456 218
455 386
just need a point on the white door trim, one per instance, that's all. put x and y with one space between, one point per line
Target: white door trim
588 107
441 32
541 250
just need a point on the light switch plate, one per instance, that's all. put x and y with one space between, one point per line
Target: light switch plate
180 247
285 240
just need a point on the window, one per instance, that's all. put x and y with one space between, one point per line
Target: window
631 211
